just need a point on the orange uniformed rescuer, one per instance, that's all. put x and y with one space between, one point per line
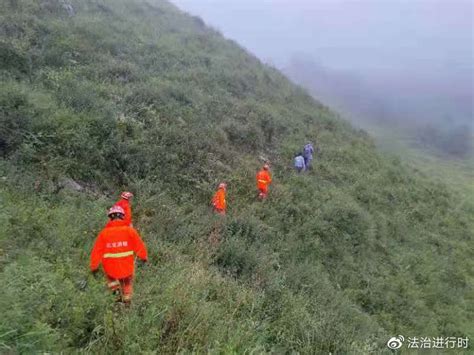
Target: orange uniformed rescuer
115 248
218 201
124 202
264 179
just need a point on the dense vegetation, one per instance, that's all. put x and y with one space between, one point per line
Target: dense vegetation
102 95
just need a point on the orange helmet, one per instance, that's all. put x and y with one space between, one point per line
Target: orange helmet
222 185
266 167
126 195
115 210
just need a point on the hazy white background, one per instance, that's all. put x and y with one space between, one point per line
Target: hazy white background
399 60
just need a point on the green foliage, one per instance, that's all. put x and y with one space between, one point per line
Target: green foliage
137 95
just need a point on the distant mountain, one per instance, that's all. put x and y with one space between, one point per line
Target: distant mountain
418 104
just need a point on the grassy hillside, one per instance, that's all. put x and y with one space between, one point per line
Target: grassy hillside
458 173
116 94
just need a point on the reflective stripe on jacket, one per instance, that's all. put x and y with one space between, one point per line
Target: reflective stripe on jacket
263 179
218 201
115 248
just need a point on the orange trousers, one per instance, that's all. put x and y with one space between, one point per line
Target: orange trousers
124 286
219 211
263 191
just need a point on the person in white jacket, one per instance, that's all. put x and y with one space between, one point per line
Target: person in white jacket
299 163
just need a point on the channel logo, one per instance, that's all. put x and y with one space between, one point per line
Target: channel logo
395 342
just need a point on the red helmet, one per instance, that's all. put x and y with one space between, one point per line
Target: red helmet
222 185
266 167
114 210
126 195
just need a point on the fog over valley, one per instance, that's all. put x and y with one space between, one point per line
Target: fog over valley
397 62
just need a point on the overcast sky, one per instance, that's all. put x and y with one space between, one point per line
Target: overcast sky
427 37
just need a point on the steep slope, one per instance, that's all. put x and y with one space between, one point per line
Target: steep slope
137 95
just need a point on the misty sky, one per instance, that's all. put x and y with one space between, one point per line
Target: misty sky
422 37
